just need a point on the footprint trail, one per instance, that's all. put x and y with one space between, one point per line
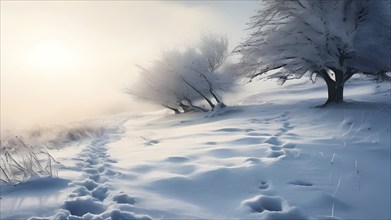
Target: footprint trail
92 197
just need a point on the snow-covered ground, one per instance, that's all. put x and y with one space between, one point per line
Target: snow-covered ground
272 156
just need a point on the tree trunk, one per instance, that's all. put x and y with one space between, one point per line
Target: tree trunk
339 84
335 87
330 87
339 94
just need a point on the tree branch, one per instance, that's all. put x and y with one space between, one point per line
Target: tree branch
211 90
199 92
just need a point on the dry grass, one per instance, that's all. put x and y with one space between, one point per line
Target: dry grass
24 158
20 161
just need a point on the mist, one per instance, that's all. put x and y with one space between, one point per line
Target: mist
66 61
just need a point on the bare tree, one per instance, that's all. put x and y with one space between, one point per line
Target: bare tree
331 38
214 49
186 80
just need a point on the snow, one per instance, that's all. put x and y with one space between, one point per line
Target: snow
274 156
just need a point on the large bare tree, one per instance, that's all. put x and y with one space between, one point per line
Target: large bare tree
331 38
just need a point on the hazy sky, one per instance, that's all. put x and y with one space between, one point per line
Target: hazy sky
67 60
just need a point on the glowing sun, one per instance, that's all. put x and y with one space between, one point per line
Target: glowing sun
49 54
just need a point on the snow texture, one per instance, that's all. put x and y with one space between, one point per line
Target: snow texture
273 156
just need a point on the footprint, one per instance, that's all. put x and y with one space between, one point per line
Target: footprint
273 141
101 168
275 153
301 183
119 214
253 160
275 148
110 161
123 198
84 154
176 159
263 185
91 161
210 143
80 191
94 177
110 172
256 121
283 130
90 184
291 134
100 192
91 171
272 207
286 125
230 130
261 203
82 205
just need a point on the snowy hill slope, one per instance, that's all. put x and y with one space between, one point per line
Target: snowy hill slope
274 156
